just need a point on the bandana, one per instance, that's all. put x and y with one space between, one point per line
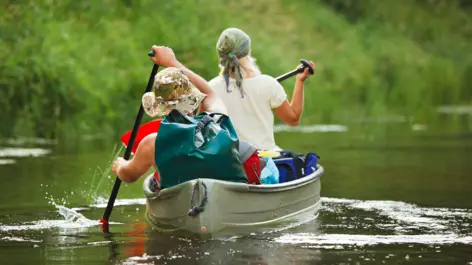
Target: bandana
232 45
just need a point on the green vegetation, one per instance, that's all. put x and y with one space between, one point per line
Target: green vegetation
71 68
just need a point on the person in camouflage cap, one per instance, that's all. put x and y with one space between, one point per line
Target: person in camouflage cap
171 90
175 87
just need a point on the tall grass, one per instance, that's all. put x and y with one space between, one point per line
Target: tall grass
70 68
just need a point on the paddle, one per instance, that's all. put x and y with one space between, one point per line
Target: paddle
300 69
116 186
153 126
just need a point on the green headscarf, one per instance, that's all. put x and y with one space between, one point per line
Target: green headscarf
232 45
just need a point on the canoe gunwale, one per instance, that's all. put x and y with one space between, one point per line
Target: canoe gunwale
233 186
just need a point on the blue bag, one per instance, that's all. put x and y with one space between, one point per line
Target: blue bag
311 161
290 165
287 169
293 166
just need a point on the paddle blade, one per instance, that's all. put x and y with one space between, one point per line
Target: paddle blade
104 225
143 131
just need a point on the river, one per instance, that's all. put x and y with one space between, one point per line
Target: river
394 192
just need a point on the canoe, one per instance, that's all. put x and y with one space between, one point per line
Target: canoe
208 207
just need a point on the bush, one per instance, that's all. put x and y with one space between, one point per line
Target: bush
71 68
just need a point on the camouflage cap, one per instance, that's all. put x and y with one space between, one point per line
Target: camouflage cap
171 90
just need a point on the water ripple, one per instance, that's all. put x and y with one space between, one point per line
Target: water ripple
23 152
352 223
340 240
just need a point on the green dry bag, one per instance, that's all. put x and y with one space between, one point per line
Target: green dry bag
204 146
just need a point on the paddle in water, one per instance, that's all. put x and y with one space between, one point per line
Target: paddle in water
132 137
153 126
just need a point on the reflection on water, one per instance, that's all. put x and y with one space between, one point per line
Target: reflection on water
455 109
400 217
6 161
22 152
19 239
102 202
386 222
389 196
343 224
28 141
337 241
310 128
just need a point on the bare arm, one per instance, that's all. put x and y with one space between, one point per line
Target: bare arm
165 57
211 102
197 80
131 170
290 113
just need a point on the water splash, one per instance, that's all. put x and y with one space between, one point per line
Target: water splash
91 195
72 220
73 216
100 176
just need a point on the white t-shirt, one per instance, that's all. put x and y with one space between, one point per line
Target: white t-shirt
252 115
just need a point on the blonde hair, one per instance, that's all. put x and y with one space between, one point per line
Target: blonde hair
233 48
248 65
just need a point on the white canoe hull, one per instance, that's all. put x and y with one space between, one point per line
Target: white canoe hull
232 206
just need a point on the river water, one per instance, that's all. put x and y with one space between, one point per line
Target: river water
394 192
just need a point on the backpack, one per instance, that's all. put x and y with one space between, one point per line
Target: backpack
204 146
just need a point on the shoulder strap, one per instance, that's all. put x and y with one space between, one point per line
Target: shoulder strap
203 122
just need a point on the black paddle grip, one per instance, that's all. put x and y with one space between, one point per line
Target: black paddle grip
306 64
300 69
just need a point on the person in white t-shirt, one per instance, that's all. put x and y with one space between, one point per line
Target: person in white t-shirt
250 96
